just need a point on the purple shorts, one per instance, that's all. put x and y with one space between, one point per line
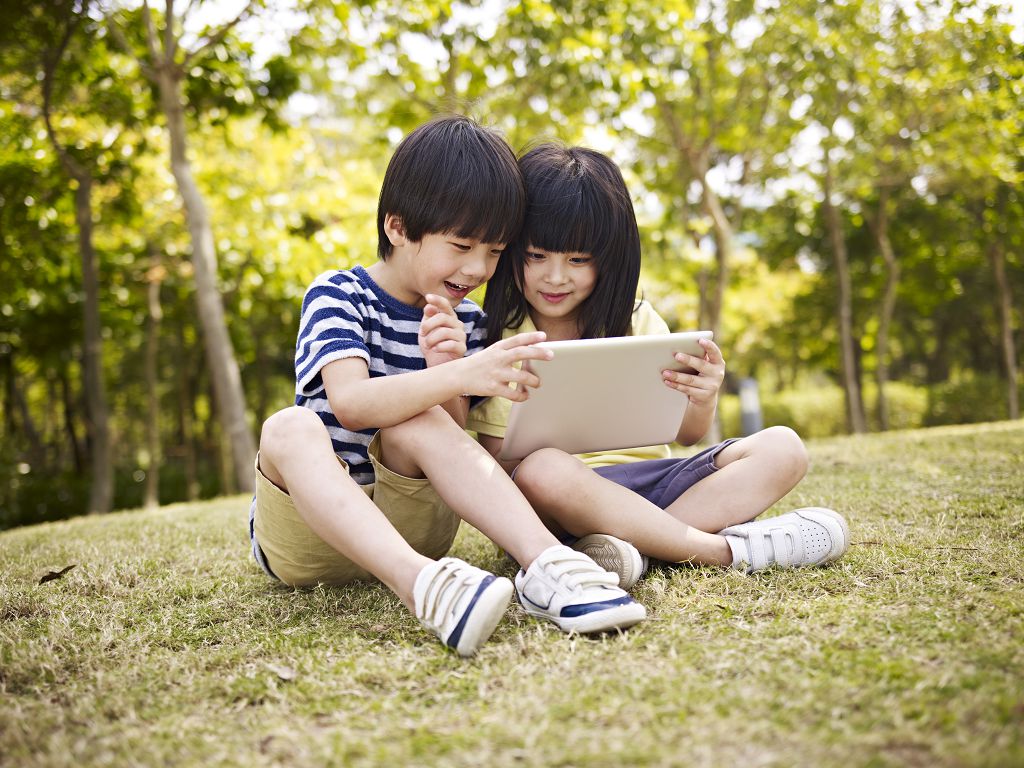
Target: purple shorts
662 481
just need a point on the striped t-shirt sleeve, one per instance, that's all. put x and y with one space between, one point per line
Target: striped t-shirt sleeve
331 328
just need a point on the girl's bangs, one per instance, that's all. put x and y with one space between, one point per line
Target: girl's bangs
572 222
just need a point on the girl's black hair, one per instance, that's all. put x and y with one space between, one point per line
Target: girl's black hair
576 202
452 175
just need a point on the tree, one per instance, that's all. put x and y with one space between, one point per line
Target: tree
167 64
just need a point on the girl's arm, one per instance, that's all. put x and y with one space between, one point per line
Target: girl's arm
701 387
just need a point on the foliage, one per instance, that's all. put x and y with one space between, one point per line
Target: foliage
905 651
725 103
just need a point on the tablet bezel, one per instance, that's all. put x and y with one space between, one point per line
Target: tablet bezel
619 377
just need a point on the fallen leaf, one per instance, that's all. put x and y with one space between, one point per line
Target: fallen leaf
52 575
283 672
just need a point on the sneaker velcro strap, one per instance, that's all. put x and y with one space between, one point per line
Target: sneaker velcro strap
785 546
443 590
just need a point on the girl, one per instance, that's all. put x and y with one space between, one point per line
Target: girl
573 274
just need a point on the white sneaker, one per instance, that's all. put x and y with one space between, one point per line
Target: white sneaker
460 603
808 536
615 556
576 593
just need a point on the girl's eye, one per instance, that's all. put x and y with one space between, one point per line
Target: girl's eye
534 256
580 260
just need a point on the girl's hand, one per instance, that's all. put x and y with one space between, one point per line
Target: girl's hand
442 335
702 385
493 371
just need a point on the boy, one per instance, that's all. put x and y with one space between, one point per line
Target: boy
371 471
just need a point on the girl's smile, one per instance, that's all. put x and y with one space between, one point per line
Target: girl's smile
553 298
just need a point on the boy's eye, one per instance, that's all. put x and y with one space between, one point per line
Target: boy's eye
461 246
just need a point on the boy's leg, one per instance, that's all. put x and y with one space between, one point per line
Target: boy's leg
296 455
572 497
459 603
468 479
753 473
555 582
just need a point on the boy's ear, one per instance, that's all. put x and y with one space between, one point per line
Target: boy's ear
394 229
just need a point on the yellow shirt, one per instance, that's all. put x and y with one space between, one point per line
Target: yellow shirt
491 416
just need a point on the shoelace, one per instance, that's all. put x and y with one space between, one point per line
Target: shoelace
444 590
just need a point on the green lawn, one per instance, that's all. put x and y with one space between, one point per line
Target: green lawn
166 646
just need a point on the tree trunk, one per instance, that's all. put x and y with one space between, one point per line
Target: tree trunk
151 493
220 356
69 421
36 451
185 405
101 494
892 278
998 260
855 419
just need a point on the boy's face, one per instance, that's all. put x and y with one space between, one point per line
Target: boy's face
442 264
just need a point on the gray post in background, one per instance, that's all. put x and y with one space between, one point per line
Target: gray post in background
750 408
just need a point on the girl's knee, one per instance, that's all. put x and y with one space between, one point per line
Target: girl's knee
786 447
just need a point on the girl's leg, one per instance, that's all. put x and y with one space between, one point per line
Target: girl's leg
571 497
753 474
468 479
297 456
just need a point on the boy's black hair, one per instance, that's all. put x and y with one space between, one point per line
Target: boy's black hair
576 202
452 175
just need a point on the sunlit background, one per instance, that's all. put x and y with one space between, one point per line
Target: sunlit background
832 187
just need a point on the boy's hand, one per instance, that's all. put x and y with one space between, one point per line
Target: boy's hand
442 335
703 385
492 371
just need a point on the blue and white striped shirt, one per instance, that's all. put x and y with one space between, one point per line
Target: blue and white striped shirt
346 314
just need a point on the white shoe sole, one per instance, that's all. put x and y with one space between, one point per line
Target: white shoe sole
614 555
617 617
484 617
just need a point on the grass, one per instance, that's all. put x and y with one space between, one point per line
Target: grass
165 645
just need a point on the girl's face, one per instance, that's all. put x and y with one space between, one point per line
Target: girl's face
555 285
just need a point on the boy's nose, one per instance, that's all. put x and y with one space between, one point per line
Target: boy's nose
476 266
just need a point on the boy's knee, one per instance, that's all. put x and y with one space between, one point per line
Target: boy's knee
288 427
545 469
432 429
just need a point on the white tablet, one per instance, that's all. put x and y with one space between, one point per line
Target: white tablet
602 394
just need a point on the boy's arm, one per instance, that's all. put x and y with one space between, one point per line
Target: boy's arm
442 339
361 402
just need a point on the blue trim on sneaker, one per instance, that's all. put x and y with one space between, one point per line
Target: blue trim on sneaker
572 611
452 641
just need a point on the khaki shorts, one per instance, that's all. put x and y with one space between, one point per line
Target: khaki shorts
299 557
